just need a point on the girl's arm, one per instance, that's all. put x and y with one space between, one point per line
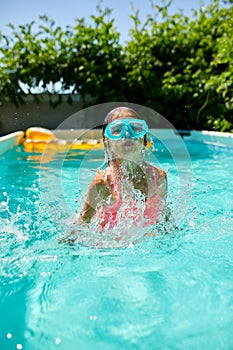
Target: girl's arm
98 191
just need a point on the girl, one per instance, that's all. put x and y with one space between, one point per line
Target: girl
127 180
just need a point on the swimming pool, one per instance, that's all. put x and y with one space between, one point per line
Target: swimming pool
172 291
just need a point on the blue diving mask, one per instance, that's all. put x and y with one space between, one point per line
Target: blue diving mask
126 128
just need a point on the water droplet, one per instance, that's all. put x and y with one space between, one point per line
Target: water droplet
93 318
57 341
9 335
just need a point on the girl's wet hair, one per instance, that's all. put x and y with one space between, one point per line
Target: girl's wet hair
118 113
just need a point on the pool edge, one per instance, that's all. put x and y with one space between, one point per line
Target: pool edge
9 141
215 138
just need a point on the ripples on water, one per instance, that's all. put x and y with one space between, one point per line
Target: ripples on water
169 291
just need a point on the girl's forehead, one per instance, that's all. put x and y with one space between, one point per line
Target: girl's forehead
119 117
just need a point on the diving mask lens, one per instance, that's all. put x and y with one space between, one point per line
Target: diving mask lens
131 127
116 130
137 128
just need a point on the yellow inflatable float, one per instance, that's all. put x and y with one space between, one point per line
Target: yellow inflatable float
42 140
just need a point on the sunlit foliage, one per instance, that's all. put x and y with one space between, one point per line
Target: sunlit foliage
180 66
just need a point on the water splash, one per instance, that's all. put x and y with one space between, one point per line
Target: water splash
130 226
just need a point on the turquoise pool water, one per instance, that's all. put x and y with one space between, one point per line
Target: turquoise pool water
172 291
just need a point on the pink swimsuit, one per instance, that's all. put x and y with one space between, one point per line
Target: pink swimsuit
150 216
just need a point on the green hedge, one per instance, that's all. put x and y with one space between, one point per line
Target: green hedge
180 66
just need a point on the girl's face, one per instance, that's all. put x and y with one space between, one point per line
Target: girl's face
127 148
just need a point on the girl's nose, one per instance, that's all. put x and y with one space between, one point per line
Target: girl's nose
127 134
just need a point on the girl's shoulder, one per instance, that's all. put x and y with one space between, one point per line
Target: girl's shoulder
158 172
101 178
99 187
